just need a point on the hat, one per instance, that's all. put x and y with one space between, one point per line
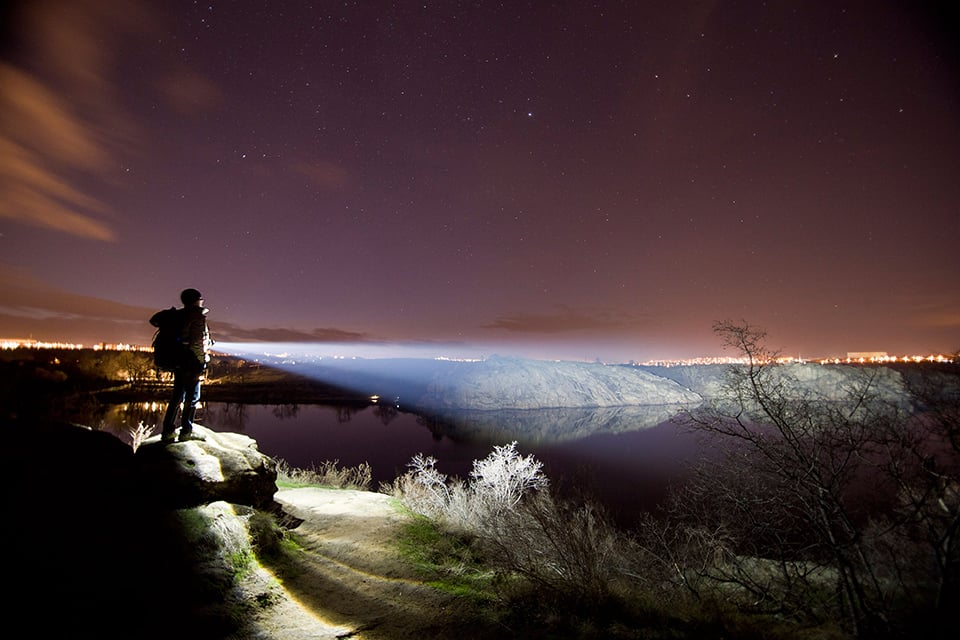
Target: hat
190 296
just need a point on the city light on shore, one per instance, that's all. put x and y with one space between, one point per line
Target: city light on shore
850 358
30 343
266 350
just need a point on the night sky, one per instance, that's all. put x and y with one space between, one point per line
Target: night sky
554 179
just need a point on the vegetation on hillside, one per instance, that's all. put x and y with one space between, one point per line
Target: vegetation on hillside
824 518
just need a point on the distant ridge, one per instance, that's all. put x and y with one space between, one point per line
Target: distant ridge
516 383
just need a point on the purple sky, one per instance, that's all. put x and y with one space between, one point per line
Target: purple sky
568 179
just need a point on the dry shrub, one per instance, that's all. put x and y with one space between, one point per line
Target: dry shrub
139 434
497 484
572 550
326 474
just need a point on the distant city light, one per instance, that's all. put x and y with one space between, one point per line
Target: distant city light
288 352
29 343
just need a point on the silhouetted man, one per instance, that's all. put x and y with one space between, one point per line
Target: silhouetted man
194 346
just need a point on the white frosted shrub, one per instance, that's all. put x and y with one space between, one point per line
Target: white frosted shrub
501 479
496 486
139 434
424 489
566 548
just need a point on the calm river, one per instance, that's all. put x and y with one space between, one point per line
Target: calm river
629 464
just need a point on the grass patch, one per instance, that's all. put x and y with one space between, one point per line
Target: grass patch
449 563
242 563
276 548
327 474
269 538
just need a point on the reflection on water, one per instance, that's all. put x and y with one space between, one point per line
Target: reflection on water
120 419
628 455
546 426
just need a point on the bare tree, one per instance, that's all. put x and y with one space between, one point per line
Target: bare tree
820 494
923 546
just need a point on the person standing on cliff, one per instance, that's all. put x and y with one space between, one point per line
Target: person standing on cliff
195 344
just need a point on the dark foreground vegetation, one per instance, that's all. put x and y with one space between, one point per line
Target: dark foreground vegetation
824 518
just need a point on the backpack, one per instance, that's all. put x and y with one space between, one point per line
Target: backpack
167 352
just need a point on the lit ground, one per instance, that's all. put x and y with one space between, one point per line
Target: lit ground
350 581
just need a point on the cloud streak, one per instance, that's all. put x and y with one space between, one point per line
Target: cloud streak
50 139
40 142
227 332
33 307
565 320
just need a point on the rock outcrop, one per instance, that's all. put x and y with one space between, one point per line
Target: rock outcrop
223 466
509 383
108 544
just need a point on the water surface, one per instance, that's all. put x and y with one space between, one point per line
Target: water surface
628 469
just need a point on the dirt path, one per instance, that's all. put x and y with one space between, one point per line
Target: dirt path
350 582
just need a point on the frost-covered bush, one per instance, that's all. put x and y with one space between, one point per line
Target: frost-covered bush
496 486
139 434
505 506
501 479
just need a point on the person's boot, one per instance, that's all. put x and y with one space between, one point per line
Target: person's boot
186 426
169 431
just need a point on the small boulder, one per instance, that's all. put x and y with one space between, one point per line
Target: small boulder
221 467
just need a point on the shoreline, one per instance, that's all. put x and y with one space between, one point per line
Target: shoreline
279 392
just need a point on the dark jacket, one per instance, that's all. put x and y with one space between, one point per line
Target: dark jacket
195 337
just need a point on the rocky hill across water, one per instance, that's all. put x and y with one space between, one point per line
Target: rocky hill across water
507 383
514 383
501 383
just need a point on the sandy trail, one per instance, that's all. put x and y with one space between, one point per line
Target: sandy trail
350 581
